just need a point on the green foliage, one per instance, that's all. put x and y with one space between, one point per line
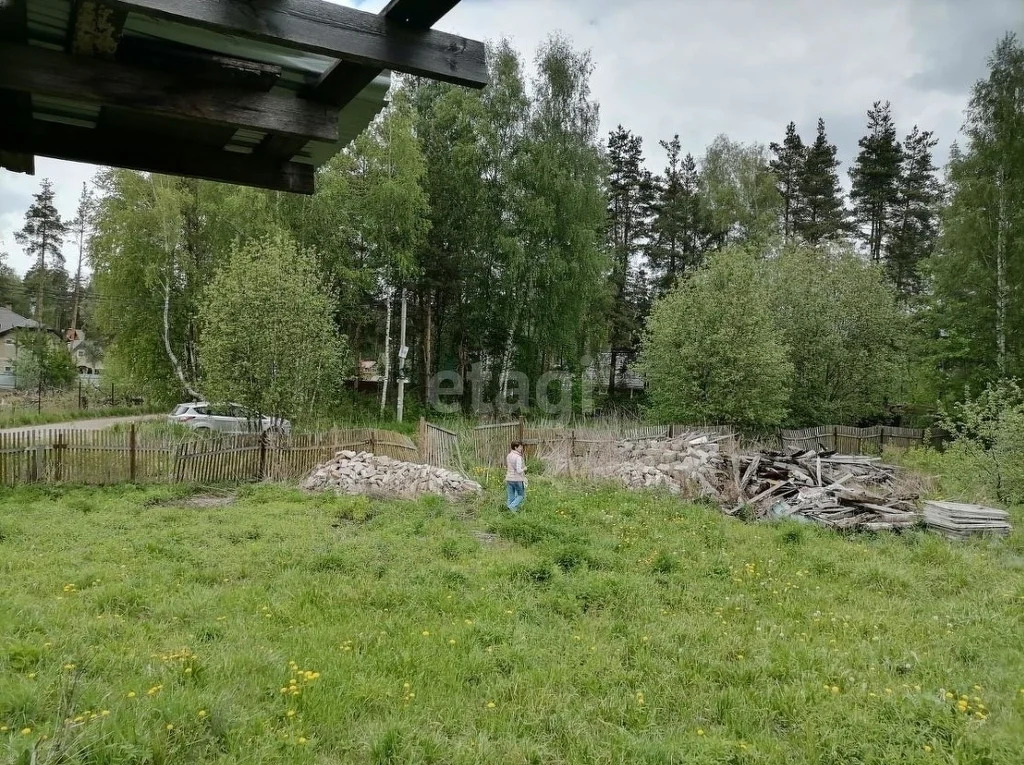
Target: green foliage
42 361
42 238
844 333
821 217
739 193
875 178
989 428
268 341
713 351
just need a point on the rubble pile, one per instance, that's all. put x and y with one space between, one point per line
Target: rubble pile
365 473
834 490
837 491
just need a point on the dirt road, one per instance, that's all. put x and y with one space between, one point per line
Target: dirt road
98 424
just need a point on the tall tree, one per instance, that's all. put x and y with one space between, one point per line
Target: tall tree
916 222
630 201
788 167
679 230
268 339
42 238
979 265
392 208
738 191
823 215
875 181
81 229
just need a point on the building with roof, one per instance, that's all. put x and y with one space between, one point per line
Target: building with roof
11 324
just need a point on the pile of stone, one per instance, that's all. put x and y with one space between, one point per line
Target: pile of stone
371 474
675 464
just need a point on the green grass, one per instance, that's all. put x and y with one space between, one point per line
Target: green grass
596 627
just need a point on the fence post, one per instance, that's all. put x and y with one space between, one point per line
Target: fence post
371 441
572 448
261 469
58 456
520 430
423 439
132 454
111 394
881 439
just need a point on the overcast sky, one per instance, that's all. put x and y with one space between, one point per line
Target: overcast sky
698 68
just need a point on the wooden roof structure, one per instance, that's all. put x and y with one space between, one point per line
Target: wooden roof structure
254 92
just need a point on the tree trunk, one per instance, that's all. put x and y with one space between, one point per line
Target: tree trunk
611 372
78 277
428 332
1002 287
387 354
167 344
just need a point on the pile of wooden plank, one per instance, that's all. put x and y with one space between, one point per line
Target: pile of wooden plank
833 490
959 520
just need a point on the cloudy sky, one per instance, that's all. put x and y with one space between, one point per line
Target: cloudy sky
698 68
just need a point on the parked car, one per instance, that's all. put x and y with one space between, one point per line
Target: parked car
205 417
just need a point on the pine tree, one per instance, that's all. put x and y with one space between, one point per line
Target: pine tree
630 201
917 223
788 167
823 215
42 237
678 231
81 229
875 181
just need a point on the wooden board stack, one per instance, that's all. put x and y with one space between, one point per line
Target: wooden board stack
959 520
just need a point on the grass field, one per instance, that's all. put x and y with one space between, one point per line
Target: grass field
142 626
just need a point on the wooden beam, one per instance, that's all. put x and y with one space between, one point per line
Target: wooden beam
37 70
132 151
346 80
207 67
317 26
16 107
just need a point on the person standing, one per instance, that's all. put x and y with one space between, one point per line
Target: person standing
515 476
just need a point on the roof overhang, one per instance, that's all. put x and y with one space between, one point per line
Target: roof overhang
259 92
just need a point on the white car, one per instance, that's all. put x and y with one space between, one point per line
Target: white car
204 417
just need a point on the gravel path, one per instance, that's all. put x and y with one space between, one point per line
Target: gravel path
99 423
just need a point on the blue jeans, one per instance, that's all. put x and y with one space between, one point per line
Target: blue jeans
516 494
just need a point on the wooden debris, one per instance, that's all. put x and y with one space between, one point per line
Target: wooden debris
836 491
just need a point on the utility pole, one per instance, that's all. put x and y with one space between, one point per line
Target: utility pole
403 351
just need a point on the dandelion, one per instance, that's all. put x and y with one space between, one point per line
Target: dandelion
451 642
105 713
834 689
131 694
700 731
927 748
490 705
202 713
154 690
170 726
31 675
291 713
426 633
69 666
302 740
26 731
469 621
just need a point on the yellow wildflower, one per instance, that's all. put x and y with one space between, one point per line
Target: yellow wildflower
26 731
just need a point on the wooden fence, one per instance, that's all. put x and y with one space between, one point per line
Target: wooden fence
438 446
106 457
847 440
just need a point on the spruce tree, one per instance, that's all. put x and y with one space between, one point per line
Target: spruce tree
823 215
788 167
41 238
630 202
678 231
916 228
875 181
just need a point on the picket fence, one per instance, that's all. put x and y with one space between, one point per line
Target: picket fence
100 457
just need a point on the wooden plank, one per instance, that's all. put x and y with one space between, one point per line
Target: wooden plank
44 72
205 66
315 26
98 147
